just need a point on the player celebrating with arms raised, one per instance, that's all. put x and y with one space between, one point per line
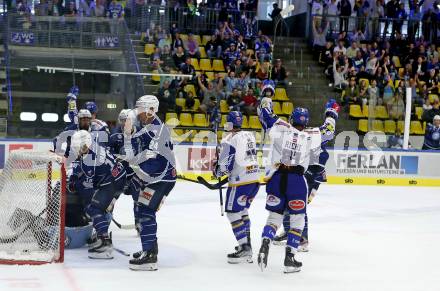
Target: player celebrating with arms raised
238 160
290 153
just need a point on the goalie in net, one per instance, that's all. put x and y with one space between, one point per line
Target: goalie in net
32 203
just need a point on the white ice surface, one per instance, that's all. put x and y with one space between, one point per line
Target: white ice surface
362 238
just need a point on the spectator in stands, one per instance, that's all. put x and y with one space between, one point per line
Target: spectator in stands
250 102
388 92
279 73
167 97
372 64
230 82
428 115
395 141
352 50
56 9
179 57
319 37
391 12
419 68
414 19
332 13
262 48
178 42
187 68
339 72
213 47
115 10
263 72
234 100
156 55
275 14
396 107
377 13
351 95
42 9
165 41
401 16
363 92
427 105
361 8
374 94
99 9
243 81
210 96
345 11
340 48
192 47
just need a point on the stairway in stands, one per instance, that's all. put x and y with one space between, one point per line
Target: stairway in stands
309 86
3 95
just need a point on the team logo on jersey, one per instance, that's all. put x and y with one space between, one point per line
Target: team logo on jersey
297 205
116 170
242 200
272 200
173 173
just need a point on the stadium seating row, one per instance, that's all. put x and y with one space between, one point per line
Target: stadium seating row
380 112
389 126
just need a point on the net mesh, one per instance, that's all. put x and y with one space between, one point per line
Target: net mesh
31 198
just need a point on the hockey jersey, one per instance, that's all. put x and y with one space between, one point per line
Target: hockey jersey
149 152
238 158
432 137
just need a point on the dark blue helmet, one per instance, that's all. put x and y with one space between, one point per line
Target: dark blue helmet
236 118
300 116
91 106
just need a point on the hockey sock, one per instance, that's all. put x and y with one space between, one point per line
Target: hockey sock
148 227
246 221
305 233
286 222
99 219
293 238
272 224
238 227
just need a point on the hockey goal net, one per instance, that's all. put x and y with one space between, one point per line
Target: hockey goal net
32 207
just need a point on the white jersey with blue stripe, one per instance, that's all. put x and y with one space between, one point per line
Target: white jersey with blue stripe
238 158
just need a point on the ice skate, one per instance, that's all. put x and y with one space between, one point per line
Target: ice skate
101 249
243 254
290 264
263 253
280 240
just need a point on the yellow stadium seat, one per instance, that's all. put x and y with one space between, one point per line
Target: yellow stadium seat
180 102
365 111
186 119
250 52
390 126
432 97
149 48
195 63
363 125
355 111
202 52
190 136
284 118
396 61
200 120
254 122
401 72
280 94
401 125
419 112
223 120
205 65
396 84
257 137
416 128
222 74
366 81
224 108
217 65
245 123
190 88
172 119
381 112
377 125
155 78
196 104
277 108
287 108
184 37
210 75
176 135
202 136
205 39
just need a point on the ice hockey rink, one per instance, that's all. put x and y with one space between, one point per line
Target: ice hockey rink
362 238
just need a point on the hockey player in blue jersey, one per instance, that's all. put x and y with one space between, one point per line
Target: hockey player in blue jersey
97 124
315 174
238 160
149 151
432 135
107 178
291 150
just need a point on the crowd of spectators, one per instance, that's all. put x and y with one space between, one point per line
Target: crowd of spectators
370 68
246 67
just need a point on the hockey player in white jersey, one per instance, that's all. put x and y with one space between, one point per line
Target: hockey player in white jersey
238 160
291 151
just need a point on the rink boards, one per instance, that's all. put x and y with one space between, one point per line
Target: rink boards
350 167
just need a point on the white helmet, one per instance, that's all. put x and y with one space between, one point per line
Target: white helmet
84 113
148 101
437 117
81 142
123 115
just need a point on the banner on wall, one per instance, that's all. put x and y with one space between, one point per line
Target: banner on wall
22 38
362 167
106 42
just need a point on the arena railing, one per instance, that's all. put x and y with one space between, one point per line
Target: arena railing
198 21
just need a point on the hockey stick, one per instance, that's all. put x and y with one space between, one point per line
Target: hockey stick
27 227
123 226
122 252
217 123
212 186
